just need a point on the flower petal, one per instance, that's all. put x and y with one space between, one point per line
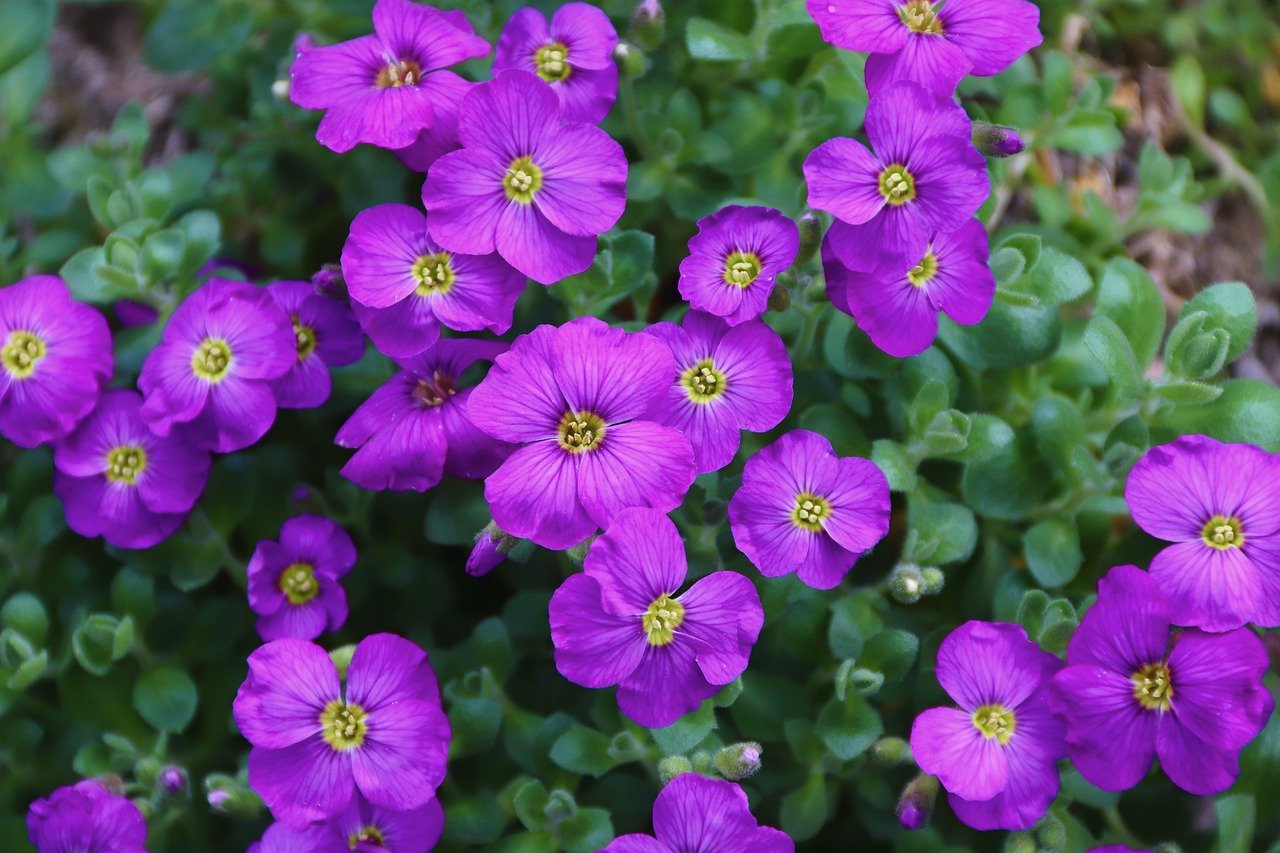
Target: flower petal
593 646
946 743
534 495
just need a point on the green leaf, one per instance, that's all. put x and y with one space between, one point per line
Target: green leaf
848 728
475 721
476 821
891 653
1187 79
711 41
623 267
1237 815
188 35
1112 350
1231 307
456 512
583 750
530 803
27 24
588 830
853 620
1055 278
1189 393
1007 264
1007 485
688 731
100 640
804 810
945 533
1052 548
166 698
897 465
1129 297
1090 132
1247 411
1010 336
1059 429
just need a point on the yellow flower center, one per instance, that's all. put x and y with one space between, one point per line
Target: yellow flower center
433 392
552 62
305 336
1222 533
343 725
125 463
433 273
741 268
406 72
21 353
920 17
925 270
703 382
810 512
368 833
298 583
896 185
1153 686
995 721
580 431
662 619
212 360
522 180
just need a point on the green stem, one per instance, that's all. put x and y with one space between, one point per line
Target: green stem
1116 824
631 115
808 333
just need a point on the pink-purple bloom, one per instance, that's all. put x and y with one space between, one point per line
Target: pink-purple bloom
316 746
623 621
386 88
363 828
293 582
86 818
997 754
211 379
577 399
325 335
1131 692
525 184
801 509
1220 506
935 44
416 427
693 812
727 379
898 308
119 480
734 261
57 358
573 53
403 286
921 177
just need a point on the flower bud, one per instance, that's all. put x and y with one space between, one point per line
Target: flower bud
933 580
890 750
647 24
996 140
703 764
916 803
328 281
1050 834
341 657
739 760
672 766
173 779
1020 842
231 796
810 236
560 806
630 59
906 583
491 548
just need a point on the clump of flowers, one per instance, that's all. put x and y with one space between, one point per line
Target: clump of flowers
735 259
293 582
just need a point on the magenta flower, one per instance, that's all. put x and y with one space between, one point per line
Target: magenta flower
574 54
727 379
734 261
899 310
416 427
997 754
620 621
119 480
325 335
315 745
293 583
282 838
693 812
576 398
446 103
1129 693
526 184
802 510
363 828
57 358
403 286
934 44
1220 505
211 378
921 177
86 818
383 88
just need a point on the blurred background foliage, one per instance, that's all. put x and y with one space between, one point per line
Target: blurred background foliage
140 141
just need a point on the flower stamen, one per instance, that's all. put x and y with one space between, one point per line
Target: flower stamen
662 619
552 63
810 512
897 185
703 382
21 353
995 722
393 75
125 463
580 431
522 180
434 274
921 17
305 336
923 272
1153 686
742 268
1222 533
343 725
298 583
212 360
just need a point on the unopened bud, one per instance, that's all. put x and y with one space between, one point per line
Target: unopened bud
996 140
702 763
934 580
916 803
739 760
231 796
341 657
1020 842
490 549
280 89
173 779
647 24
328 281
890 750
630 59
906 583
1050 834
672 766
810 235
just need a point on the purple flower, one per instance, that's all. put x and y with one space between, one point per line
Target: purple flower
922 177
57 358
86 818
727 379
282 838
997 754
932 44
693 812
734 261
131 314
383 88
325 335
366 828
574 54
211 378
431 145
293 583
416 427
315 746
119 480
800 509
403 286
620 621
526 184
1129 694
1220 505
576 399
899 309
489 551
